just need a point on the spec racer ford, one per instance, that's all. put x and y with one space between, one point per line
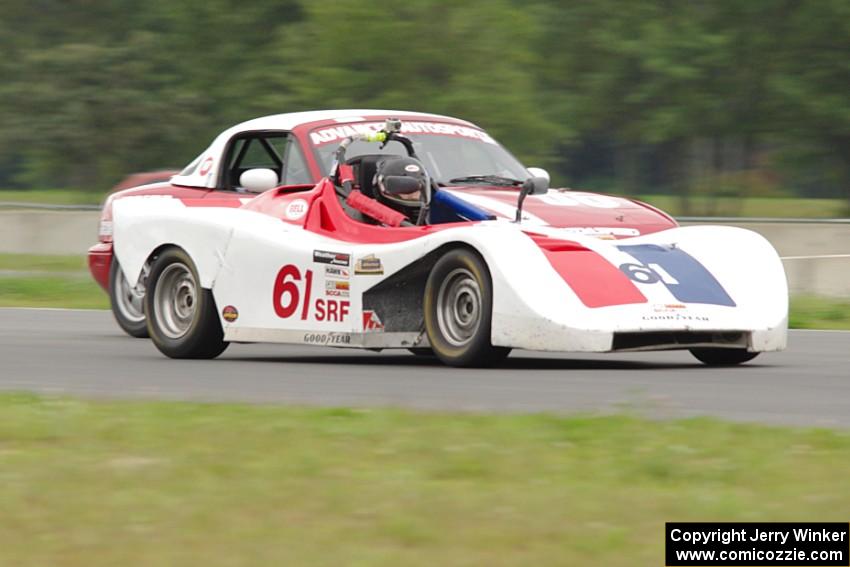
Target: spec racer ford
390 229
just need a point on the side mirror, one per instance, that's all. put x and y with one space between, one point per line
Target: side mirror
401 185
258 180
539 172
531 186
536 186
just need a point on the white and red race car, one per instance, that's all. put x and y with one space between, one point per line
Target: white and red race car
272 235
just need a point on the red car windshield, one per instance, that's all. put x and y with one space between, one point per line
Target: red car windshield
448 151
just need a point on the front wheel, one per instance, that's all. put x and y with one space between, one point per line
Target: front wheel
723 356
182 317
458 311
127 301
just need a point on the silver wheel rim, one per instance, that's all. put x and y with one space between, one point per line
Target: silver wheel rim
130 299
459 307
175 300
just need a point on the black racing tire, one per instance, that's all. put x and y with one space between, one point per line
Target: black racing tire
458 310
422 351
182 317
127 303
723 356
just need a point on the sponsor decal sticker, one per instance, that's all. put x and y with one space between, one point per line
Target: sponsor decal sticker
335 133
296 209
371 322
667 307
230 314
337 272
206 166
338 288
560 198
327 338
604 232
675 317
369 266
333 258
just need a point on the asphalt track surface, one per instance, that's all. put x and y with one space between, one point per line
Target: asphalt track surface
84 353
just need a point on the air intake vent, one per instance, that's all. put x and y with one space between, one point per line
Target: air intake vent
657 340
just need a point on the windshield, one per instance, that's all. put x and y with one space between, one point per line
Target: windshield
448 151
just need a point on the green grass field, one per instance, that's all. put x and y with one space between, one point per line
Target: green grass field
819 313
43 263
53 196
49 291
63 281
779 207
28 280
89 484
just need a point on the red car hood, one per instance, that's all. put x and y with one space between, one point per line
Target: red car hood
592 212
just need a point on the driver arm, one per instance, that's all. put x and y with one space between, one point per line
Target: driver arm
378 211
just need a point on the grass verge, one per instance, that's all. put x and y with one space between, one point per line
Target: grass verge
149 483
808 312
43 263
779 207
53 196
52 291
29 280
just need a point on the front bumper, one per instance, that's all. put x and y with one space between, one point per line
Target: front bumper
755 334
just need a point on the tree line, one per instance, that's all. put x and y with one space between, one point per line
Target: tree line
714 97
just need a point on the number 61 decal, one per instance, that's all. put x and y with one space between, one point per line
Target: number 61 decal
287 297
653 273
686 278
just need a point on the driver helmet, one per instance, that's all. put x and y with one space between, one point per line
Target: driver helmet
396 166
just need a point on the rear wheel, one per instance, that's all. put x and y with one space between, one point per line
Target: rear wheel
182 317
127 301
458 311
722 356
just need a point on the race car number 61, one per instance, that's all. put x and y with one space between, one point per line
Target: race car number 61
286 294
286 297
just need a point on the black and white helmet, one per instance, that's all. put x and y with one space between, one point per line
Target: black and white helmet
400 183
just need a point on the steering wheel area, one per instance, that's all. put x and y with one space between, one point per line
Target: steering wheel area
391 132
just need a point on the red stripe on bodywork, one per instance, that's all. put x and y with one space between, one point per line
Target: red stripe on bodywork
596 282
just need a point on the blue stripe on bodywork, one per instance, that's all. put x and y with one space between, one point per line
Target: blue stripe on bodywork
446 207
696 284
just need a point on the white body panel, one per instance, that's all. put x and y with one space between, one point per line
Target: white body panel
239 254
